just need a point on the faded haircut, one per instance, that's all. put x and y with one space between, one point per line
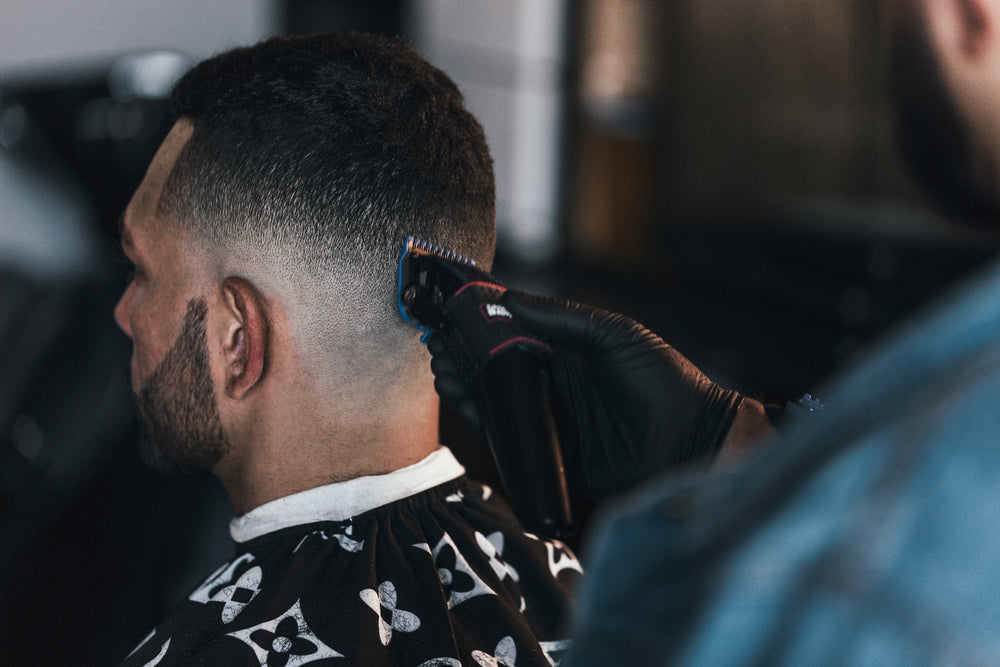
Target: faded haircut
317 156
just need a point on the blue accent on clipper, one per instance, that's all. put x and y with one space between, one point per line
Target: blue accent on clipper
428 275
408 245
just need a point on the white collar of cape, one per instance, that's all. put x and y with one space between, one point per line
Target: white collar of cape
342 500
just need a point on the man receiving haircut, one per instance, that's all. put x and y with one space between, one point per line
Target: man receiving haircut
269 351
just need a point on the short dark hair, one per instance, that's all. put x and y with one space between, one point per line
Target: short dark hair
329 150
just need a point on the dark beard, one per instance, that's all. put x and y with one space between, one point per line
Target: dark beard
180 427
934 140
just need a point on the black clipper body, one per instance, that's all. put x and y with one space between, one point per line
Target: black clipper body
505 369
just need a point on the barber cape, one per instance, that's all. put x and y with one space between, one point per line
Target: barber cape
421 567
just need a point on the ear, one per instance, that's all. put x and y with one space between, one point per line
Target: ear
245 337
978 26
967 27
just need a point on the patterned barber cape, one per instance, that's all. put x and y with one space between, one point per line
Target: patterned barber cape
421 567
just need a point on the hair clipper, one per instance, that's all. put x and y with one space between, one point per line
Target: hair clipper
505 369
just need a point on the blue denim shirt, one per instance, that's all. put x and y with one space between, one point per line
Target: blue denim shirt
868 534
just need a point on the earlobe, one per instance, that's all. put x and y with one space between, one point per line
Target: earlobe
976 24
246 337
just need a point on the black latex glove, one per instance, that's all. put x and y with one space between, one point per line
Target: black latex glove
627 404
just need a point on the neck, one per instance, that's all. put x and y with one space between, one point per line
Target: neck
289 446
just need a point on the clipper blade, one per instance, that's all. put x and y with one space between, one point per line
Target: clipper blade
428 276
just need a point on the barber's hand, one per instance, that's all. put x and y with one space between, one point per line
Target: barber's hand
628 404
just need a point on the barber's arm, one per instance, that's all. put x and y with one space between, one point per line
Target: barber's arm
629 406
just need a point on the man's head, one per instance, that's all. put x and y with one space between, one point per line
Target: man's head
945 83
282 197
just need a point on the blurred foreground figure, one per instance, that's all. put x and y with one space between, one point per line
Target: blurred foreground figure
867 533
267 349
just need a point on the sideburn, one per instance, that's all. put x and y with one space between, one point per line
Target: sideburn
182 432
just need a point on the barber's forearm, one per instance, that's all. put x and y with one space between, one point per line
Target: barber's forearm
749 428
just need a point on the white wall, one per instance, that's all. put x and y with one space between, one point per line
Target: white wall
43 216
38 34
507 57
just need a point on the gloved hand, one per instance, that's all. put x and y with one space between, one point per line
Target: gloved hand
627 404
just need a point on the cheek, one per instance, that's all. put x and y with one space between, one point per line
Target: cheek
148 346
142 357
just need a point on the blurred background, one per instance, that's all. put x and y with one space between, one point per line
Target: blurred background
722 170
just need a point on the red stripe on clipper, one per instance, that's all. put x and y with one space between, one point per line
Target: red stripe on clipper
515 341
479 283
